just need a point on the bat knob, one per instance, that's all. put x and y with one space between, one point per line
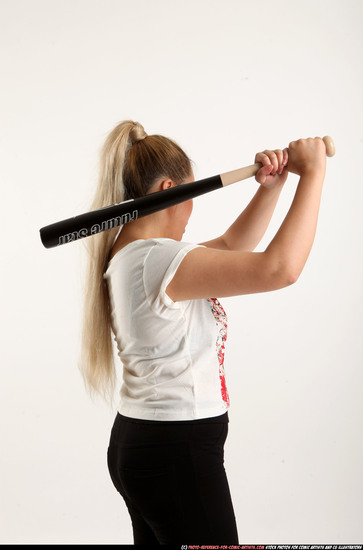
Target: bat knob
330 146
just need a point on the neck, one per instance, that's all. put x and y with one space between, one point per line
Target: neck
154 226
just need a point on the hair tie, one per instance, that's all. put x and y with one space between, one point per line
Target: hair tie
137 133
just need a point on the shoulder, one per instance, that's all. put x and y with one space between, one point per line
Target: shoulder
165 252
154 253
171 245
160 262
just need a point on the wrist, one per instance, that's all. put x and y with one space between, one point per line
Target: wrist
313 170
313 173
276 187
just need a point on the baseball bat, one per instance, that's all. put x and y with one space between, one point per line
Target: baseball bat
95 221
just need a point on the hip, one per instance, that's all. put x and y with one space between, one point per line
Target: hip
143 442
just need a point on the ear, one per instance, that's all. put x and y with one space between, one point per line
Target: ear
166 184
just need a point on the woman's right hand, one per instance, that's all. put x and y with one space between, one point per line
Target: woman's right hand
307 156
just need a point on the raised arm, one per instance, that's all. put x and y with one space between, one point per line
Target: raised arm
211 272
250 226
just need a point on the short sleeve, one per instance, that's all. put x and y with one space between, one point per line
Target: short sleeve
160 267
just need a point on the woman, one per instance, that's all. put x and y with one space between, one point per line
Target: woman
157 295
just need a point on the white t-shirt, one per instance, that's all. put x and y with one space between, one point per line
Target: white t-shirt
172 352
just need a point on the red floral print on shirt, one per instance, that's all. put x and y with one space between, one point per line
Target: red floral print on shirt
221 319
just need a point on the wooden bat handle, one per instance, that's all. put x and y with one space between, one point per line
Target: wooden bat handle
250 171
330 146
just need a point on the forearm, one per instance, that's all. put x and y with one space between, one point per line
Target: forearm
250 226
292 244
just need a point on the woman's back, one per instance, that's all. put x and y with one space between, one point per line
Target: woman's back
172 363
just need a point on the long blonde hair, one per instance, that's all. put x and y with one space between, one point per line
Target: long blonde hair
131 162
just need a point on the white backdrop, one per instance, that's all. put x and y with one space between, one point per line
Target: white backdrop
224 79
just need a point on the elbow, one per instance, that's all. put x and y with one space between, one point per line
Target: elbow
290 278
285 273
284 268
290 274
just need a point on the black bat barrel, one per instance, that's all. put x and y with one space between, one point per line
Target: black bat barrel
93 222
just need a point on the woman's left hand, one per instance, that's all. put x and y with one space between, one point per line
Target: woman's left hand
273 172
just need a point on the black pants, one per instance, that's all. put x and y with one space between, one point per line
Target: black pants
172 478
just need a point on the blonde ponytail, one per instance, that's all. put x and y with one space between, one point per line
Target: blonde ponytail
131 162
